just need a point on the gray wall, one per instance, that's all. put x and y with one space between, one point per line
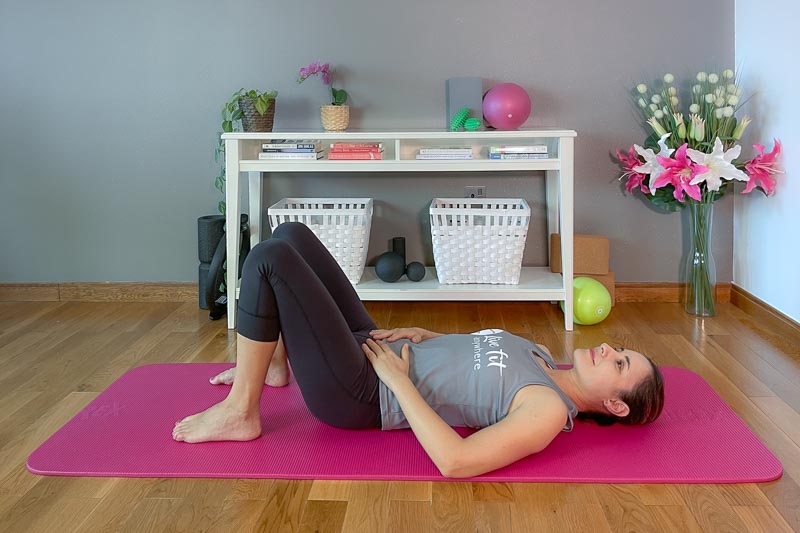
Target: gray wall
109 113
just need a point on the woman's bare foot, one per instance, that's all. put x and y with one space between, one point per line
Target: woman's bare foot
218 422
277 375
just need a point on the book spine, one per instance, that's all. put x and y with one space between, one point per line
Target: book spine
517 156
288 155
270 146
337 146
341 150
444 156
445 151
517 149
290 150
344 156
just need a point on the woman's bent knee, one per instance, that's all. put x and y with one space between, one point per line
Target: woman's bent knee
291 231
266 253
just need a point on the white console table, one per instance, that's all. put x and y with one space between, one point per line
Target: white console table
400 149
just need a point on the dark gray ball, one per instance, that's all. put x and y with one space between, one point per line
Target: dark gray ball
390 267
415 271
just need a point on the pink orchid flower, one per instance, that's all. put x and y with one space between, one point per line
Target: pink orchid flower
761 167
324 69
679 172
635 179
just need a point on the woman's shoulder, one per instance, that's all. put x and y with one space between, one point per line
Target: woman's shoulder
538 400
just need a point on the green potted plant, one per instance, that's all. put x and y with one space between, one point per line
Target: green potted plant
255 110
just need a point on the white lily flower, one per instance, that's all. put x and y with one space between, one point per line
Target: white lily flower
702 76
651 165
696 89
727 74
733 100
719 165
642 103
731 89
673 100
656 99
642 88
672 91
694 108
713 78
709 98
668 78
727 112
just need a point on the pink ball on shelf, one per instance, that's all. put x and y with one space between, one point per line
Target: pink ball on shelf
506 106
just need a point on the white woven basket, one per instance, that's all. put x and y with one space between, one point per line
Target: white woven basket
479 241
342 224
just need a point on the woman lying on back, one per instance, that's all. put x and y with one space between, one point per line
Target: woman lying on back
296 302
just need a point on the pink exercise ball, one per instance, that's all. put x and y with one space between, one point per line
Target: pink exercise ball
506 106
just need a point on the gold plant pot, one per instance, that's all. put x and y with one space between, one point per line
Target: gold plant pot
335 117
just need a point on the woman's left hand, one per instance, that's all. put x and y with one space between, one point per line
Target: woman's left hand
389 367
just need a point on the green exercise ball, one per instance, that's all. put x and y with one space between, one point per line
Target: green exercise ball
591 302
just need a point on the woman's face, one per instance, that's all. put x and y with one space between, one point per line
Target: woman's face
603 371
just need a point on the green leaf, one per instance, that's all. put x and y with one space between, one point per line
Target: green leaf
339 96
227 126
260 106
237 115
221 206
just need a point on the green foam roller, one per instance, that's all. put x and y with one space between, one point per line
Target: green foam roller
459 119
472 124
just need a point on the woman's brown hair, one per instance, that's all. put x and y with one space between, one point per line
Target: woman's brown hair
646 400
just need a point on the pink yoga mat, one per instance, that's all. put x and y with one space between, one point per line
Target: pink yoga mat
126 432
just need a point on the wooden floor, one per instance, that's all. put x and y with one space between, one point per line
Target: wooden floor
57 356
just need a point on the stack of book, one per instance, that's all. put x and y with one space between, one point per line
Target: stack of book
445 153
354 151
291 149
518 151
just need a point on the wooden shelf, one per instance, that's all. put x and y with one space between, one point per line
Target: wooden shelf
400 149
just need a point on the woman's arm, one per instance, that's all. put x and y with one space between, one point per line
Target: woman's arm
528 429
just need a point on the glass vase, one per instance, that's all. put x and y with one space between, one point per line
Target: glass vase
701 273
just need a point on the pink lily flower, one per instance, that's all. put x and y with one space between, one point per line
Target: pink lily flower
635 179
679 172
761 167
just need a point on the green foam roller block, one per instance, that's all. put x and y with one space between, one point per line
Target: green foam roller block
472 124
459 119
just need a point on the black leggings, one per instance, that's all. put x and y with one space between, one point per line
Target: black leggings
292 285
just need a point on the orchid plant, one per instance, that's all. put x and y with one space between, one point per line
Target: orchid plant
338 96
691 159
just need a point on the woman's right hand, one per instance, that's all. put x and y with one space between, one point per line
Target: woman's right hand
390 335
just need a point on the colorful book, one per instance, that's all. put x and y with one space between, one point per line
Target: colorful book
519 148
345 146
312 156
444 156
517 156
353 156
278 143
341 150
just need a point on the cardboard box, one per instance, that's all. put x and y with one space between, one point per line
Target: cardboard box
606 279
590 254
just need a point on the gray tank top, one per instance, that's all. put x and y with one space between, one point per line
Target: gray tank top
470 379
